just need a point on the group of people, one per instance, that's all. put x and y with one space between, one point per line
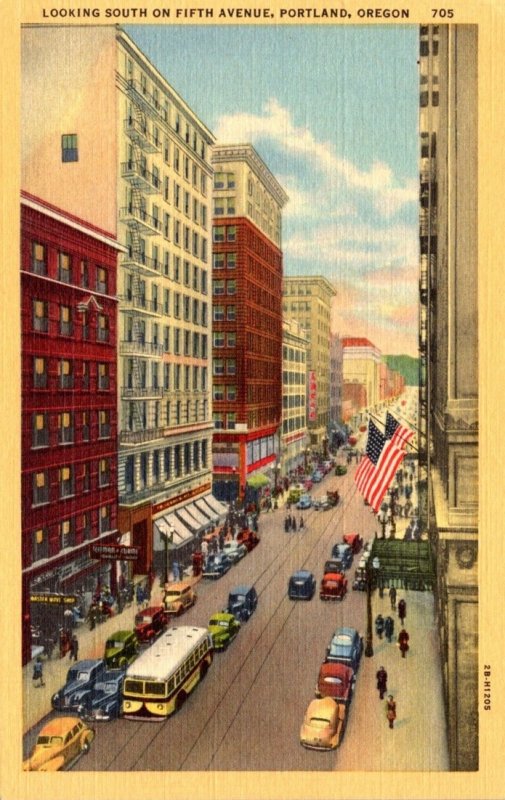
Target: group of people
290 523
386 626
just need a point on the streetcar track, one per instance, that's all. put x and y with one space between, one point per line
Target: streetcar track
268 574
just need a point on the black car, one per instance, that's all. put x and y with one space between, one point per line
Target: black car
103 701
302 585
242 602
81 678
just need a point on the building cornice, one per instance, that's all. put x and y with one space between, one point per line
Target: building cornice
222 153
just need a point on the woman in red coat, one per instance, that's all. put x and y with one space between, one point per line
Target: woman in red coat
403 641
390 710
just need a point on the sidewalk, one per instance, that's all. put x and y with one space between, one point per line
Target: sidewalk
37 700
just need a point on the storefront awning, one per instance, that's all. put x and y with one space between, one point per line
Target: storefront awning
170 524
258 481
186 518
207 511
215 505
201 519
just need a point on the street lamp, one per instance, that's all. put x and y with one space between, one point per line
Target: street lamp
383 521
168 538
371 572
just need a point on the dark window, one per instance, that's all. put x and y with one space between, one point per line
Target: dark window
69 147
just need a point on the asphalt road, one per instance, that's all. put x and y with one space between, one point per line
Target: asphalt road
246 714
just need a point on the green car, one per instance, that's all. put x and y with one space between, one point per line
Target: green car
223 628
340 469
121 648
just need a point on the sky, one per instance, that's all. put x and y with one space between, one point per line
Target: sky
333 112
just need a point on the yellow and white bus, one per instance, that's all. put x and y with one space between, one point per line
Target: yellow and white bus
160 679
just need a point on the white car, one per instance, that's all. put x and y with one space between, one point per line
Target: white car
235 551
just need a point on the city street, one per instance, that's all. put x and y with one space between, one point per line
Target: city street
247 713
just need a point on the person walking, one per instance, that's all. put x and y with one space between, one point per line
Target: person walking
139 593
402 610
74 648
287 524
389 627
293 524
38 673
379 625
382 682
403 642
391 710
302 523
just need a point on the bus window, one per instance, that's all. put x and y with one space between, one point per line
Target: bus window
154 687
136 687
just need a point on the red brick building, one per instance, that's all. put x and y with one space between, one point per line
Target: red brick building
247 321
69 403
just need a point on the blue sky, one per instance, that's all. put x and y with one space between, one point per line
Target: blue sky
333 111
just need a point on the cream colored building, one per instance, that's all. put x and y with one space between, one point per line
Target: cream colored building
362 364
308 300
294 438
141 167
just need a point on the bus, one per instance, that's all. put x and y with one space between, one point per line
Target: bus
160 679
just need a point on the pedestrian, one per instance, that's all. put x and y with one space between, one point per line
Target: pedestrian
403 642
302 523
379 625
392 597
402 610
139 594
175 570
389 627
287 524
221 539
293 524
74 648
382 682
38 673
391 710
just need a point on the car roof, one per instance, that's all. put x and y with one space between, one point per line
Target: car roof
120 635
302 573
222 615
322 704
87 663
333 668
333 576
179 586
346 631
59 726
241 589
148 612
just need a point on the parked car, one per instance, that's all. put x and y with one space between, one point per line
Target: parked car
354 540
150 623
344 553
360 580
302 585
307 484
294 494
216 565
333 586
317 476
80 679
59 744
223 627
103 702
340 469
333 565
335 680
121 648
346 647
242 602
178 598
235 551
321 503
323 725
305 501
249 538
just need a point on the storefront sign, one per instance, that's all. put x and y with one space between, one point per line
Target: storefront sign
54 599
312 396
114 551
157 509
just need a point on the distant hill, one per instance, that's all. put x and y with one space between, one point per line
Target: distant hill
406 366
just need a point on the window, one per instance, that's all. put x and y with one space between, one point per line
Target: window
104 424
40 488
65 321
39 263
177 232
69 150
231 313
231 393
218 313
218 233
218 260
177 156
218 391
166 463
84 273
217 287
103 472
231 339
40 316
177 341
64 268
40 430
218 339
67 533
39 373
104 517
231 366
66 481
65 374
40 544
103 376
102 331
187 343
204 281
65 428
218 366
231 260
86 484
231 233
230 420
85 426
231 287
101 280
85 375
86 526
218 419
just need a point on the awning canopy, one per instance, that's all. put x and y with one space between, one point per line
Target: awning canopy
170 525
189 521
257 481
218 507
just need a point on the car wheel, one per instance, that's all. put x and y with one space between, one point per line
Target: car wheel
179 611
203 670
84 746
180 700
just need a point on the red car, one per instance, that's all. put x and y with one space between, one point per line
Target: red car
249 538
354 541
336 681
150 623
333 586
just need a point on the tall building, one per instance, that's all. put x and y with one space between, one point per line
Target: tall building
141 167
336 381
449 363
247 320
294 440
362 362
69 499
308 299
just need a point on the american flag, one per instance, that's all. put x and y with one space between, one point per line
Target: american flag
378 468
399 434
